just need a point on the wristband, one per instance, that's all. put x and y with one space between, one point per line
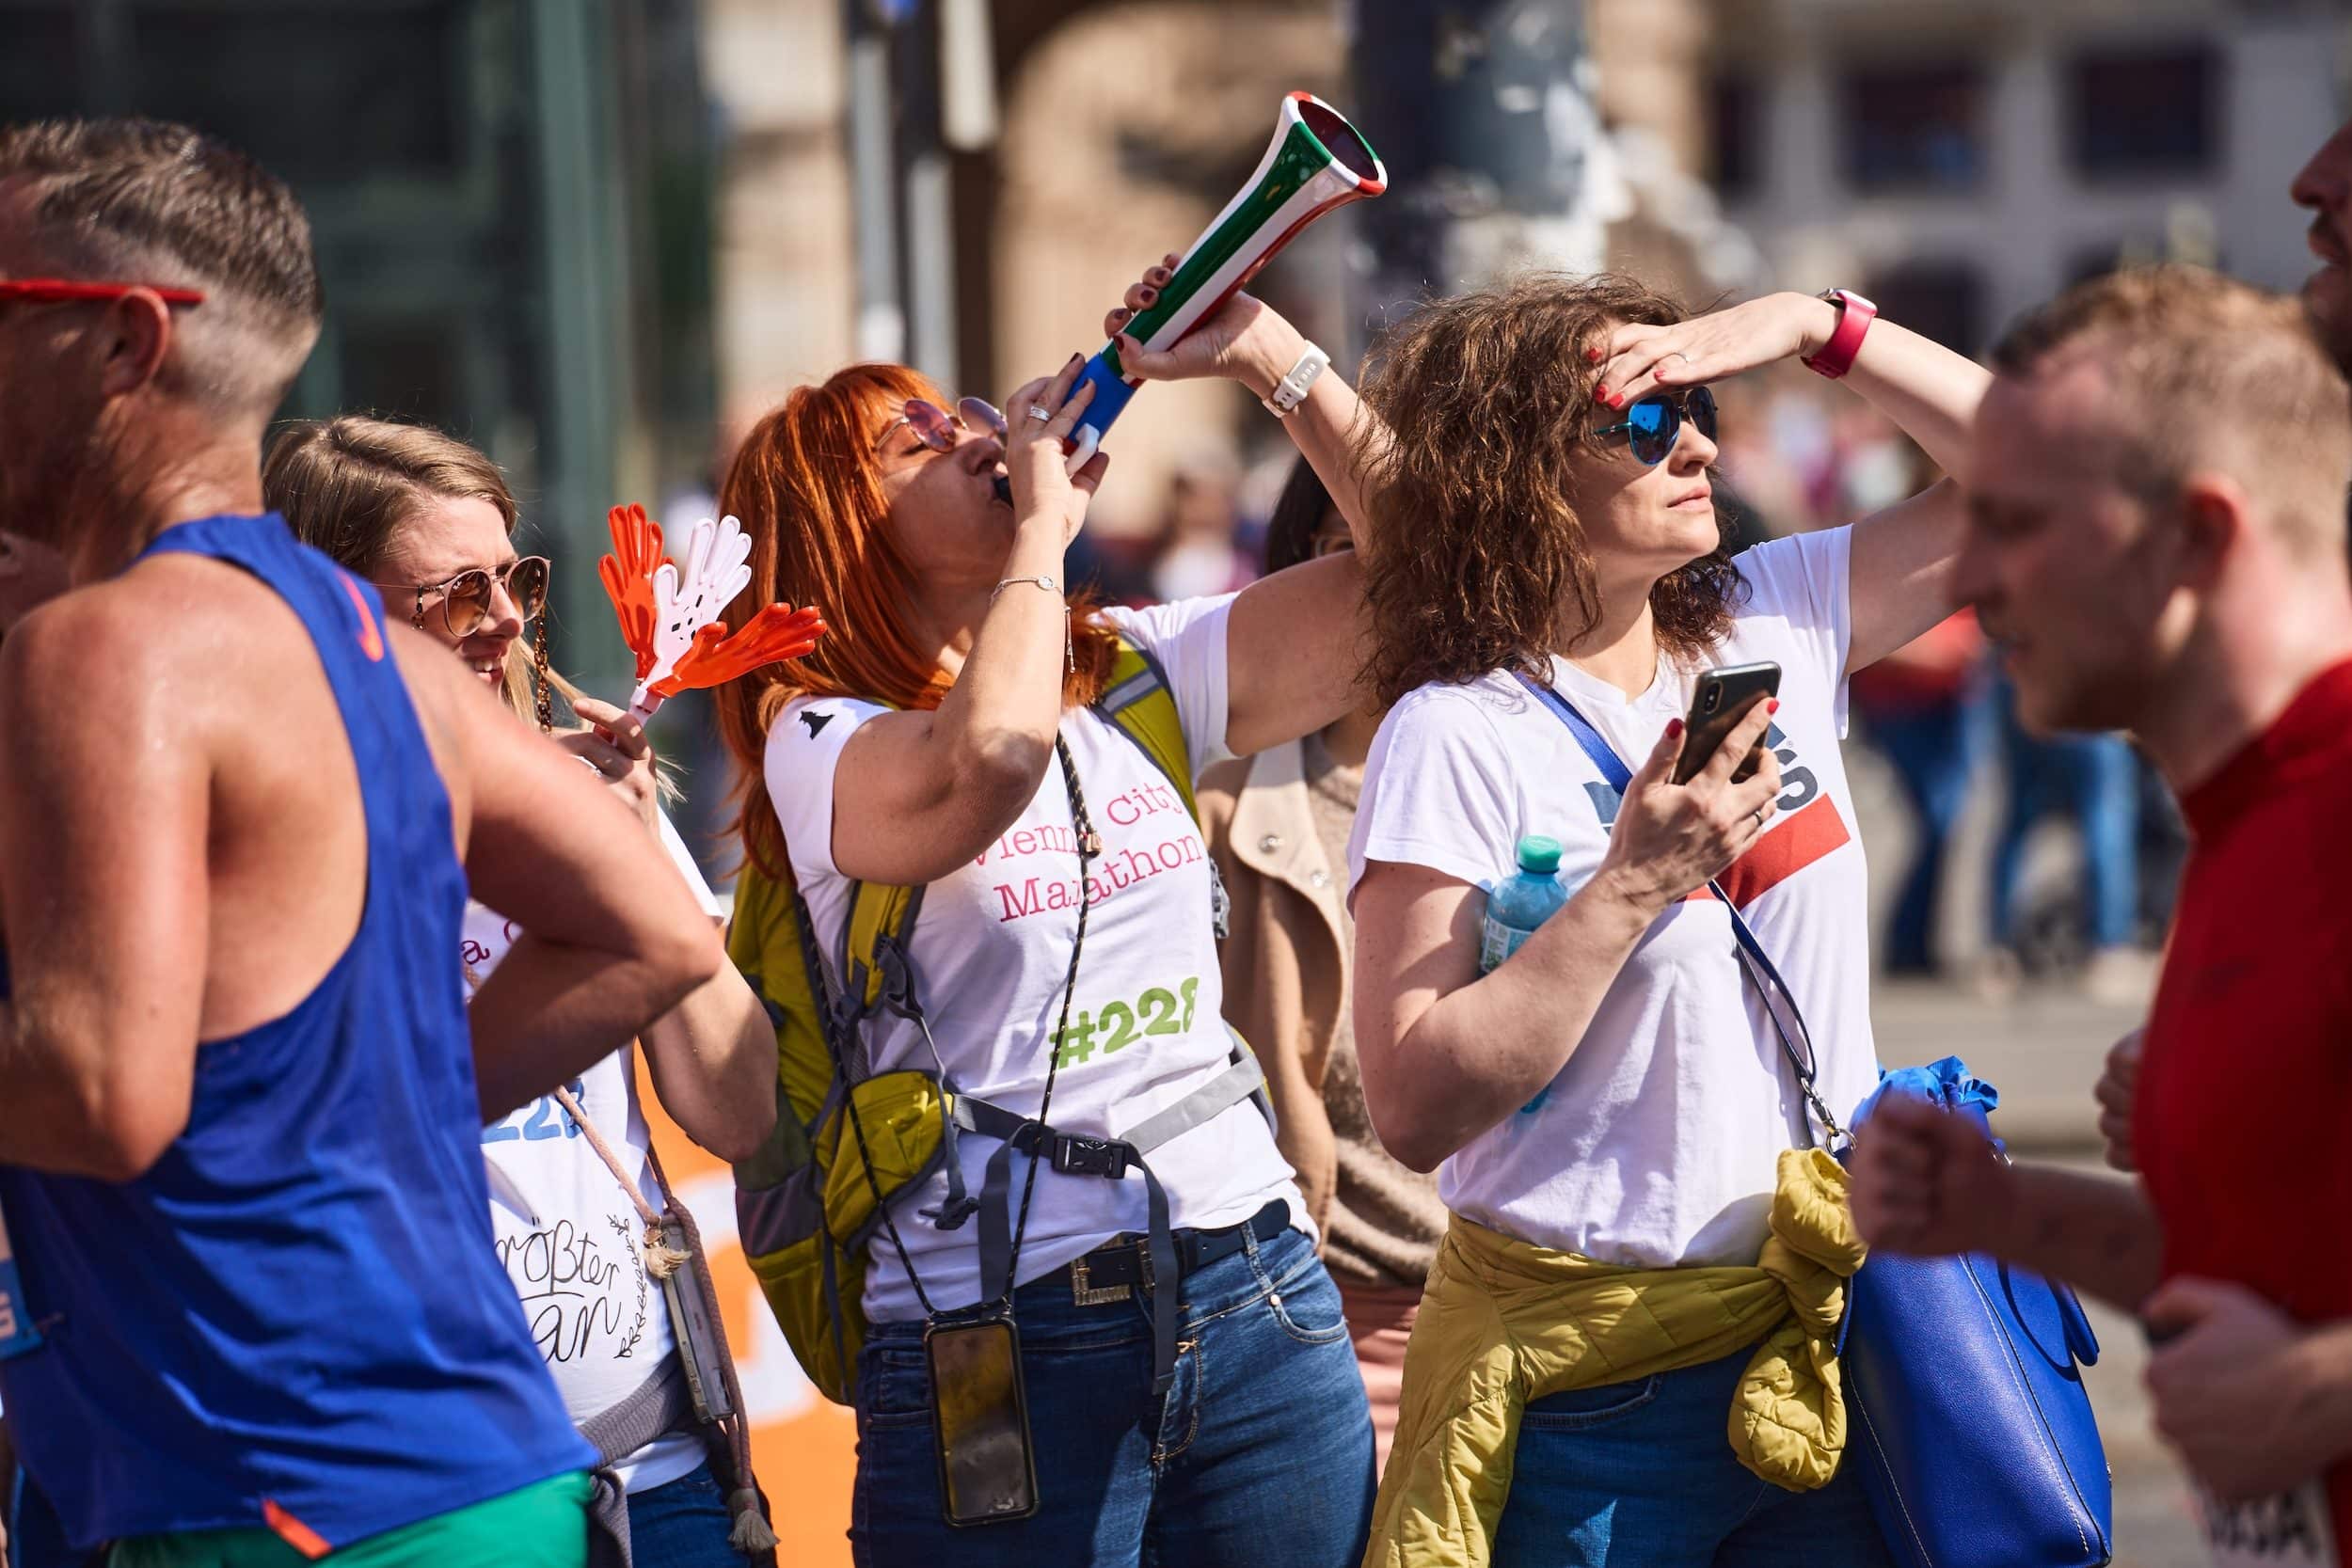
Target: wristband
1069 637
1854 315
1291 391
1047 583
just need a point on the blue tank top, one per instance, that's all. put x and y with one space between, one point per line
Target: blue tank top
296 1315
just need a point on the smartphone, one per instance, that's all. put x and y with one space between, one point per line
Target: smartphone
980 1418
700 1348
1722 699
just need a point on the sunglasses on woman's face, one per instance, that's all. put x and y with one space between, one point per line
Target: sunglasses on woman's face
466 598
1652 424
938 429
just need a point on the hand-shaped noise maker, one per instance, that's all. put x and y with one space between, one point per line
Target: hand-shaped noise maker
670 619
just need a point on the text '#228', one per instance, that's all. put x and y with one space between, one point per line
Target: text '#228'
1120 1024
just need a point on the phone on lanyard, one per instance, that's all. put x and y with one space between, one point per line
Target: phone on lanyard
1718 702
700 1347
980 1418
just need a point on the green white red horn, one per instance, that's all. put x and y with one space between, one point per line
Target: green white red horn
1316 161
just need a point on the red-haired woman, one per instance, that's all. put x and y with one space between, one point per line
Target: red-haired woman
946 735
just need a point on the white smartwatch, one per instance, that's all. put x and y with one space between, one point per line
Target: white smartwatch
1291 391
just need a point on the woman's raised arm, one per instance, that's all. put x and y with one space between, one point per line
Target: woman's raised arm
1901 576
1295 641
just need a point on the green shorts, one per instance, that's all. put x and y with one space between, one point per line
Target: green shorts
541 1525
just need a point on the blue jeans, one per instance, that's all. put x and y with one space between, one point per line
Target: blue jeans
682 1524
1641 1475
1933 752
2093 779
1261 1455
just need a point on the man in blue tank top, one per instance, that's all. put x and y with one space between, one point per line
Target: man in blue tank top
240 1097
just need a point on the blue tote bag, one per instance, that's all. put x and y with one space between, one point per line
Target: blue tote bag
1964 1394
1963 1376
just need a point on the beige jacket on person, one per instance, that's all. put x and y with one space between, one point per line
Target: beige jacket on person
1282 961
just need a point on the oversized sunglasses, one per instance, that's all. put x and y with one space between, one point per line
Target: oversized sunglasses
59 290
1652 424
937 428
466 598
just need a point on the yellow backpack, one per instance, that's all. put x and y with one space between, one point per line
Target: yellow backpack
811 1199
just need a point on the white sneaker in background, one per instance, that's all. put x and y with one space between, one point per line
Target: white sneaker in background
1996 974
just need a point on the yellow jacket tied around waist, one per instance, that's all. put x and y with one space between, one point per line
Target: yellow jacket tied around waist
1503 1322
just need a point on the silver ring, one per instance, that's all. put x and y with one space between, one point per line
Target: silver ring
1039 412
1678 354
1759 816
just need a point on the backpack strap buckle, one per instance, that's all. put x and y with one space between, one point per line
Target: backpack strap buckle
1074 1155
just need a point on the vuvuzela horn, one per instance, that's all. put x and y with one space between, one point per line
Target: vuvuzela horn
1316 161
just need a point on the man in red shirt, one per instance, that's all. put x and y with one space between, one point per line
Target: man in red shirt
2156 541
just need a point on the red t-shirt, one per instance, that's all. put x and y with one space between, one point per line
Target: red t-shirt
2245 1099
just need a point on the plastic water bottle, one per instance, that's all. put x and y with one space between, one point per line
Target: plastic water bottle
1521 902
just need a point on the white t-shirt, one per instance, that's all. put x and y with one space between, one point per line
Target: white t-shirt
567 1233
1656 1145
991 944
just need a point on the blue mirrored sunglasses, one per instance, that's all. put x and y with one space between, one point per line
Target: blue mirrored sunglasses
1651 424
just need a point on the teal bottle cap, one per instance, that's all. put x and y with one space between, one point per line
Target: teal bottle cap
1539 854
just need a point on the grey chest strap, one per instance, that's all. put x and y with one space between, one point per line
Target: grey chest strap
1075 1154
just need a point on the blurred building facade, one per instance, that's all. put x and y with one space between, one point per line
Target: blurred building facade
510 202
1959 162
1116 129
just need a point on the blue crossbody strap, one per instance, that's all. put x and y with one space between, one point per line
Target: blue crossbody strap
1780 1004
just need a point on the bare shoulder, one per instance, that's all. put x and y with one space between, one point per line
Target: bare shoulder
126 646
432 676
447 701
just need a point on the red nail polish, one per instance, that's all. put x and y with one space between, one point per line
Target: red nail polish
1674 728
1772 707
1593 355
1600 394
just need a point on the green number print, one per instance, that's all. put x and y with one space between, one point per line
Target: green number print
1080 1043
1159 1006
1119 1024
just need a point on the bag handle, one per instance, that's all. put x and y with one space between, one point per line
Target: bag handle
1780 1005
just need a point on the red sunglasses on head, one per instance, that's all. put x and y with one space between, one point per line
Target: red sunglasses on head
61 290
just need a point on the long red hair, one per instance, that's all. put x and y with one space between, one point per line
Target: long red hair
806 486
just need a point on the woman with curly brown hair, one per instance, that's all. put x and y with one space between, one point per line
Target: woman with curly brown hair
1648 1244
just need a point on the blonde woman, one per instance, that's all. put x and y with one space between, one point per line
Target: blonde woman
578 1203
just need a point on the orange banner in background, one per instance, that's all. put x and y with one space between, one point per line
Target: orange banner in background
804 1446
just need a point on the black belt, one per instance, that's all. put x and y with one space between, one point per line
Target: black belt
1112 1272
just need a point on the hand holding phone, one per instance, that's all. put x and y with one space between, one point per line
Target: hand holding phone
1721 699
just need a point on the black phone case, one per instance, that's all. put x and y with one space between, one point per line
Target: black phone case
700 1347
1723 698
1021 1415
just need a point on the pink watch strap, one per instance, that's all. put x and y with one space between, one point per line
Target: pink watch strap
1854 316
